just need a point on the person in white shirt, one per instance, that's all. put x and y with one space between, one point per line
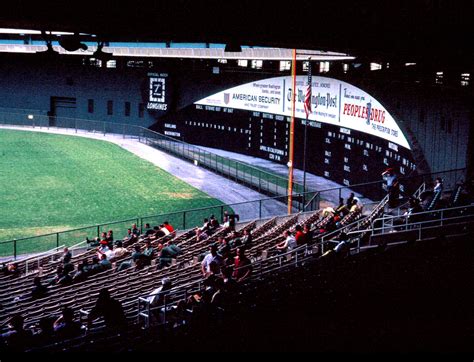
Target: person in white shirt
213 256
288 244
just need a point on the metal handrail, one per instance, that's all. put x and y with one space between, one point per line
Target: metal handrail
439 212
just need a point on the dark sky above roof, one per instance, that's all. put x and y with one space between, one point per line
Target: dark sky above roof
391 28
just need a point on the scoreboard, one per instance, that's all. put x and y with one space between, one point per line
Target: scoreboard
351 138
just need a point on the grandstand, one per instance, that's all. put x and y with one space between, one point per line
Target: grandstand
248 223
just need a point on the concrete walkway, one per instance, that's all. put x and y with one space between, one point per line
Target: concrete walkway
313 182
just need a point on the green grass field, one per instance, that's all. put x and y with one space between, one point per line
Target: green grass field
53 182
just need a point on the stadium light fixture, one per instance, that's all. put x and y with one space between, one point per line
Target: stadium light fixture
101 55
72 43
49 52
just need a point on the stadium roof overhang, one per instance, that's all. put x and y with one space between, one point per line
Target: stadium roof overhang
188 52
431 29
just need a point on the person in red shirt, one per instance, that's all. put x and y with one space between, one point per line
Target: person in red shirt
299 235
168 226
242 266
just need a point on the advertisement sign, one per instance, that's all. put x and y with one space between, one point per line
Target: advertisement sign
332 101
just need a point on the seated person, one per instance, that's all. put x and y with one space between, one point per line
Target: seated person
242 266
164 230
105 263
12 269
135 230
110 237
81 273
92 243
299 235
200 235
169 227
130 238
119 250
169 252
288 244
148 230
342 209
213 224
308 234
39 290
67 256
148 253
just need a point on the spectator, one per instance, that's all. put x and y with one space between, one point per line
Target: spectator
438 188
148 230
148 253
223 247
391 181
12 269
213 256
164 230
213 223
414 207
68 267
130 238
327 211
157 298
355 205
103 239
205 226
95 267
242 266
200 235
67 256
92 243
110 309
39 290
308 234
17 339
169 251
246 240
135 259
349 200
288 244
169 227
135 230
342 208
110 237
61 277
119 250
65 327
233 218
46 334
343 247
299 236
105 263
82 271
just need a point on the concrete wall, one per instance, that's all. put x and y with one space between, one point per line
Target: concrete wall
25 85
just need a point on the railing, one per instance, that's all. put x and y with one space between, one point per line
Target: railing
431 218
35 258
261 268
354 225
51 254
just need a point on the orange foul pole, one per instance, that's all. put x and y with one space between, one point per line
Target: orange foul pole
292 133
